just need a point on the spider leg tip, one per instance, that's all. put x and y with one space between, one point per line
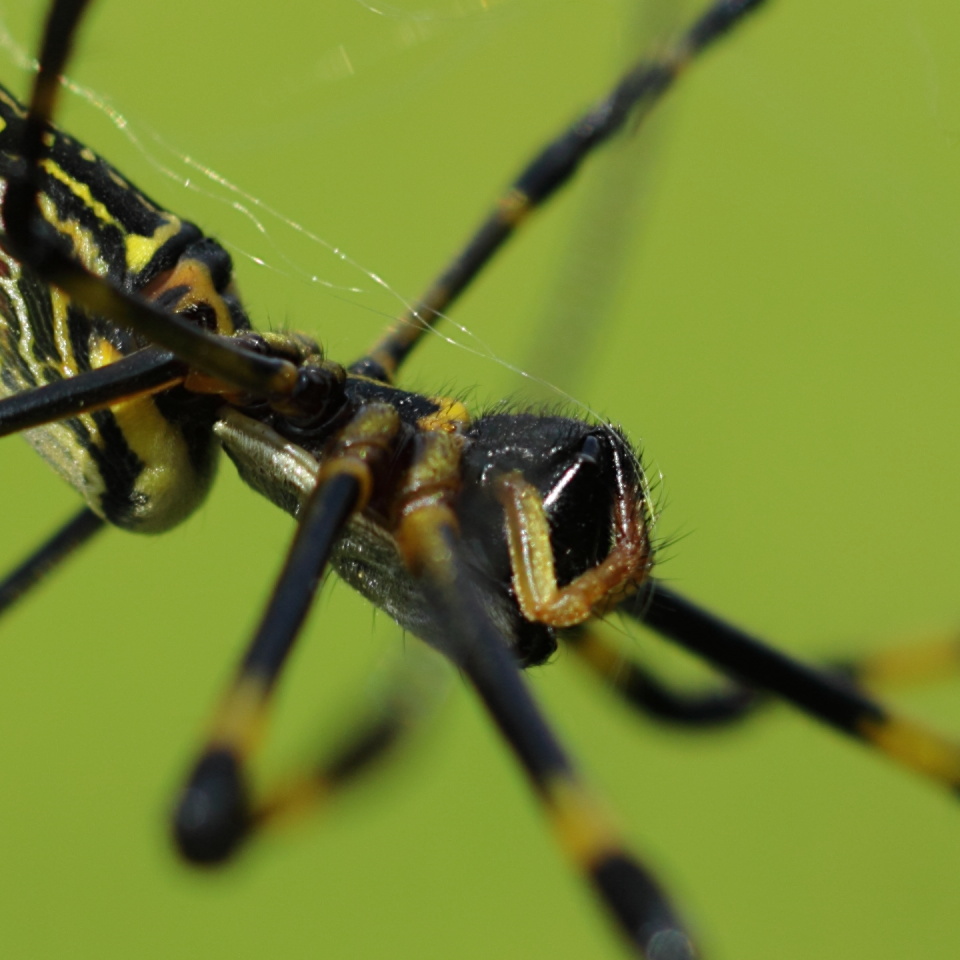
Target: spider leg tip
213 814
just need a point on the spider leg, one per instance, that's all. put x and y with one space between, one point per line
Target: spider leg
396 712
635 93
131 377
462 628
825 696
643 691
49 555
35 241
215 812
916 661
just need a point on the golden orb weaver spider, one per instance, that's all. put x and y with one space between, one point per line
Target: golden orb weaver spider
688 547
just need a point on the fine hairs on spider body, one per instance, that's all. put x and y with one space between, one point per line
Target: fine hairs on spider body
646 334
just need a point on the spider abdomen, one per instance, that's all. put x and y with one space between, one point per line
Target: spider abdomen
147 463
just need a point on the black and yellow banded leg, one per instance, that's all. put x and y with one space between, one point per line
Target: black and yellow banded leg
37 242
215 812
827 697
643 691
635 93
916 661
396 711
463 630
48 556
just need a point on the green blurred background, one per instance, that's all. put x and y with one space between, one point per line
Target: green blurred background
782 343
